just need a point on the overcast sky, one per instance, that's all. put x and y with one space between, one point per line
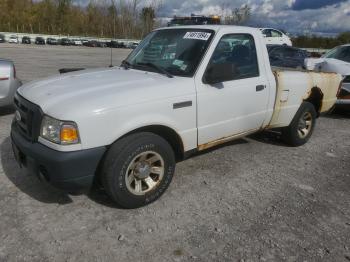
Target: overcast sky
294 16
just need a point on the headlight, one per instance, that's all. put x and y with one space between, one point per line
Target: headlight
59 132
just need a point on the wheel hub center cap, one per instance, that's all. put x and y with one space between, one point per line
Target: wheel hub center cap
142 170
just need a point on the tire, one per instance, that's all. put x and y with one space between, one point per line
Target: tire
127 171
300 130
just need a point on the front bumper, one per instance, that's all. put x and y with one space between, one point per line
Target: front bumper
69 171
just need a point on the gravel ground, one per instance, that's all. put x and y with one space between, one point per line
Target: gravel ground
254 199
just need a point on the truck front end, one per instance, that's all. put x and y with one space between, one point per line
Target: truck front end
32 129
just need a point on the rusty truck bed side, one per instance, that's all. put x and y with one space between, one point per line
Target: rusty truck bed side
296 86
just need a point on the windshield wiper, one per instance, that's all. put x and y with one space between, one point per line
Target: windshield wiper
158 68
126 64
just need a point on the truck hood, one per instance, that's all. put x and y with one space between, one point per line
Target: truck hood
100 90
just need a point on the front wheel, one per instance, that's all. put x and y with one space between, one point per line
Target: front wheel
302 126
138 169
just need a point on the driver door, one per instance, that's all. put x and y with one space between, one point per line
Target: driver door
236 104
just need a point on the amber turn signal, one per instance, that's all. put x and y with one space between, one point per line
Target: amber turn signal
69 134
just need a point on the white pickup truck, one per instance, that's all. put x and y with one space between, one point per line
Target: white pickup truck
182 90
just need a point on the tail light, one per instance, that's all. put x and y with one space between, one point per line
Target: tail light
340 87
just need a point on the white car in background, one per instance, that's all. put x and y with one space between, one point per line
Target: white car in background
13 39
77 42
275 37
9 83
336 60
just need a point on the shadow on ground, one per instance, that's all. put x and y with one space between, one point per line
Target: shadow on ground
28 184
217 147
339 114
41 191
6 111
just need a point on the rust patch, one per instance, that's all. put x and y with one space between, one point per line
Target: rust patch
278 102
316 98
225 139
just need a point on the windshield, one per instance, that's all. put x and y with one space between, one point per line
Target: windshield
341 53
176 51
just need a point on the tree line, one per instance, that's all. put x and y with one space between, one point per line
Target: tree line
115 18
322 42
100 18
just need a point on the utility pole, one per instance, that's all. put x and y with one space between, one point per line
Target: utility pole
113 4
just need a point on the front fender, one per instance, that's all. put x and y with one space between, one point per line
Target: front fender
105 127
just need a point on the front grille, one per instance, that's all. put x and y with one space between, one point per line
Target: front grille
27 118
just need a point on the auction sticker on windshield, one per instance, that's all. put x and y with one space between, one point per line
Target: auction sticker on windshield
197 35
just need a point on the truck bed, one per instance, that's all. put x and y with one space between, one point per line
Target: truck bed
322 89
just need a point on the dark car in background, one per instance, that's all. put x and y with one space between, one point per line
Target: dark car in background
287 56
101 44
2 38
95 43
39 41
52 41
91 43
66 42
26 40
134 45
115 44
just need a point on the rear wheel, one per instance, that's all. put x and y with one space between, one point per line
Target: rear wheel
302 126
138 169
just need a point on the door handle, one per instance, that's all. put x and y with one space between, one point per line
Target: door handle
260 88
182 104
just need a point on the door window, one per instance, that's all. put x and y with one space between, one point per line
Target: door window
234 58
275 33
267 32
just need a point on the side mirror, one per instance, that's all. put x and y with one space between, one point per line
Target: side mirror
313 64
218 73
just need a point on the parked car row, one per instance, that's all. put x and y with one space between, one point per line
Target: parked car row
67 42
